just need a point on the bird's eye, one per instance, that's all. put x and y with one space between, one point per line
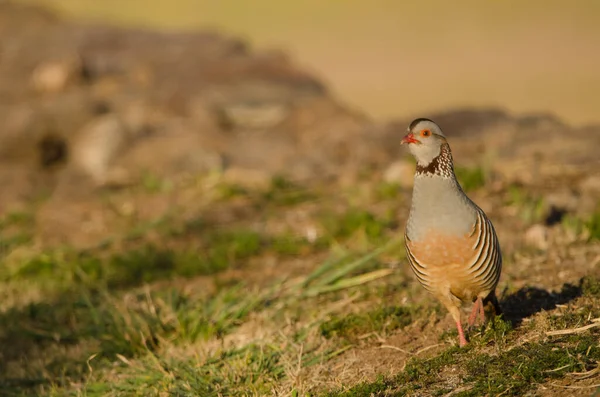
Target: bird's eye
425 133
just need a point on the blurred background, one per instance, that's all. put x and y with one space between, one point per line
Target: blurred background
392 58
119 94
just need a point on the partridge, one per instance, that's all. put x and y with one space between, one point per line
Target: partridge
451 245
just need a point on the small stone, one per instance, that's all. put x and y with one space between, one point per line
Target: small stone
591 184
55 76
537 236
254 116
563 199
97 145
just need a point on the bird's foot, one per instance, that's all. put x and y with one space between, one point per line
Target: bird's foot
477 309
462 341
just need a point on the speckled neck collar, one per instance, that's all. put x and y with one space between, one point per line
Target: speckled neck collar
439 166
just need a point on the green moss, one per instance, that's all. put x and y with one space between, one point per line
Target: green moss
493 332
496 331
424 371
352 326
417 375
516 371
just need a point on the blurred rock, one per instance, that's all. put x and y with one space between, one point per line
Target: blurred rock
96 146
119 103
537 236
589 199
55 76
252 115
170 148
401 172
590 184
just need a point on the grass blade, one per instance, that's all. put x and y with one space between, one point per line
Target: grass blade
349 282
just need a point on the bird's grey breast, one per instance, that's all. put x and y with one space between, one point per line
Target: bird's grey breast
438 204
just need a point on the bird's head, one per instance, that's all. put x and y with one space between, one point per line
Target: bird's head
424 139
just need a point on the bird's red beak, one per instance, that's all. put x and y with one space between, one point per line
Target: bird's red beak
409 138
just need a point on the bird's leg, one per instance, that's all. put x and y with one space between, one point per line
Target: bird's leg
481 311
477 309
455 312
462 341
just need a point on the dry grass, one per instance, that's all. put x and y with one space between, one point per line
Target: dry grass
263 308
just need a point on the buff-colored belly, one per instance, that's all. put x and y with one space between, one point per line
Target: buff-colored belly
447 264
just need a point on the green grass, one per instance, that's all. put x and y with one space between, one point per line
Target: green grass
228 191
16 229
512 370
182 305
531 208
388 190
354 220
219 251
16 218
147 263
285 192
518 370
589 226
109 328
353 326
590 287
154 184
593 225
221 375
294 246
470 178
92 303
